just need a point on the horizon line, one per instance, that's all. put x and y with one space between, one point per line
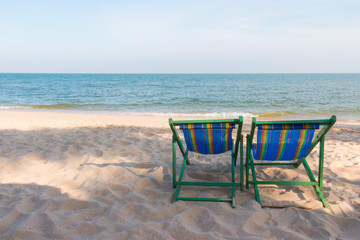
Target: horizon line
176 73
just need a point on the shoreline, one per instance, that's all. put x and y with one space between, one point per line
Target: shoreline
44 119
266 115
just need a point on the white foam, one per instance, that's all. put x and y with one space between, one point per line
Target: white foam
176 114
14 107
164 114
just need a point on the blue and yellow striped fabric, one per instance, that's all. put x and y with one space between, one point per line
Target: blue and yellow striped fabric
283 141
208 138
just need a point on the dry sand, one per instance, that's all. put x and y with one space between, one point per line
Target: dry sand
91 176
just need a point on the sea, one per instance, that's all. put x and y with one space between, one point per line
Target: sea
186 95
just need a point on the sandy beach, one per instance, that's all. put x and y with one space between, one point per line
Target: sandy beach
97 176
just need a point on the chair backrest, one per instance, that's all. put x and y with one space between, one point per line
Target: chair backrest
208 138
283 141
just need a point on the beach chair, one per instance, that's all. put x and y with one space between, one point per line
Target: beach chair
207 137
287 143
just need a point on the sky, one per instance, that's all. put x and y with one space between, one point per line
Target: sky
134 36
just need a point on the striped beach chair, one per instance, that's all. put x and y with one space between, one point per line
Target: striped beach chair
207 137
286 143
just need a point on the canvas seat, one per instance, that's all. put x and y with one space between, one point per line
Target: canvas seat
281 143
207 137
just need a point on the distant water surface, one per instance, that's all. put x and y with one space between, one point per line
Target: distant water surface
213 95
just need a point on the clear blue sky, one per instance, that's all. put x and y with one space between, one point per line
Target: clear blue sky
242 36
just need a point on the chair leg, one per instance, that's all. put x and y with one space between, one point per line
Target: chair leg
233 160
247 160
241 163
256 189
233 201
178 186
320 177
321 163
317 189
187 161
174 161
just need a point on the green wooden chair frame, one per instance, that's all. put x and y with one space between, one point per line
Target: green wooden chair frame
320 137
177 183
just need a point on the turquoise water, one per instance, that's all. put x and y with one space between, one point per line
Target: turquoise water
215 95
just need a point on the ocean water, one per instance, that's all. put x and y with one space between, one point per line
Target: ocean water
212 95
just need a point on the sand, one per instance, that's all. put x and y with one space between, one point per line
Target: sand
97 176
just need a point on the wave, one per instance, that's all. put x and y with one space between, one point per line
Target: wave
177 114
60 106
14 107
276 114
80 108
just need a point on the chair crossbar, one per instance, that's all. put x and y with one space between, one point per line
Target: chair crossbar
204 199
275 164
284 183
178 123
213 184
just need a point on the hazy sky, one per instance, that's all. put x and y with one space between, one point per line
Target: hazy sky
242 36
